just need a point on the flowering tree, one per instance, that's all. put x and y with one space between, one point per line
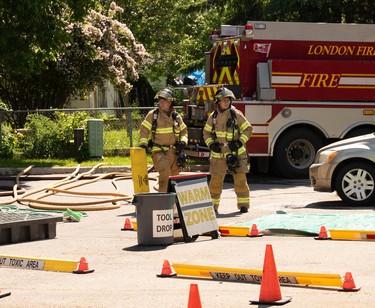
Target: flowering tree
96 49
104 49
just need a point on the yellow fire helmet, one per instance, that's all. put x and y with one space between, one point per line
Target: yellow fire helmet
222 93
166 94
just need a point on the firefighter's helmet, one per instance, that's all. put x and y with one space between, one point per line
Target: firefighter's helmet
166 94
222 93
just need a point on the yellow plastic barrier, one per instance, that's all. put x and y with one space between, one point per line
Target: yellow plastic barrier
139 170
38 263
255 276
352 235
234 231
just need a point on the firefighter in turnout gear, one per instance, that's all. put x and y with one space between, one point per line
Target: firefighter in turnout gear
226 133
164 134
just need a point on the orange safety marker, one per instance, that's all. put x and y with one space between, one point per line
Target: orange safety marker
83 267
194 298
4 294
127 225
349 285
254 231
323 235
166 270
270 292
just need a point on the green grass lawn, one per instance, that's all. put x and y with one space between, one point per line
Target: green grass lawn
107 161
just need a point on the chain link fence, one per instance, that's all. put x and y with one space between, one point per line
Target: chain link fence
120 124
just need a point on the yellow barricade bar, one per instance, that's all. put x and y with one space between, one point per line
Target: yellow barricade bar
352 235
255 276
38 263
234 231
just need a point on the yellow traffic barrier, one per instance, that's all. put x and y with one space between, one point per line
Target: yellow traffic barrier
41 264
352 235
135 225
139 170
255 276
234 231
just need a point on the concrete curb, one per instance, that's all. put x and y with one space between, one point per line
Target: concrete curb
68 170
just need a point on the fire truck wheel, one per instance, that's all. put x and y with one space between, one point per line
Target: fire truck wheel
359 131
295 152
355 184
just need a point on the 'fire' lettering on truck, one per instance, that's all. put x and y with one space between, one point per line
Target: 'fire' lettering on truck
320 80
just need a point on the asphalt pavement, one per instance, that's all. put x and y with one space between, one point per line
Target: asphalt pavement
125 273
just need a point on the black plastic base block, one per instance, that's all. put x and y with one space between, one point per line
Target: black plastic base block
23 227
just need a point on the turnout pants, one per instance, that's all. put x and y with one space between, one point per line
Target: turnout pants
218 169
165 164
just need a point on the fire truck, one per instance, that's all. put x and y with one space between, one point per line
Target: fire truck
300 85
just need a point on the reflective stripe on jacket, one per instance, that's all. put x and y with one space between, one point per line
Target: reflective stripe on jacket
225 134
168 132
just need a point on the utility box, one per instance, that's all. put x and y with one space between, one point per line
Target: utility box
95 137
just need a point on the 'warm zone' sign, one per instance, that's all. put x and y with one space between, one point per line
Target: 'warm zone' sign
196 205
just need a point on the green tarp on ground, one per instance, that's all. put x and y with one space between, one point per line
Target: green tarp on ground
282 222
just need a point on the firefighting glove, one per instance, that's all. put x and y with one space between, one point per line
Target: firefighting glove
215 147
143 146
234 145
180 145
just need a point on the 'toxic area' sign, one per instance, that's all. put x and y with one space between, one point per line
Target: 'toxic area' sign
22 263
162 222
196 206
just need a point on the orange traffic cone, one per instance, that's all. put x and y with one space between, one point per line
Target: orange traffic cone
127 225
166 271
270 292
254 231
349 285
323 235
194 298
4 294
83 267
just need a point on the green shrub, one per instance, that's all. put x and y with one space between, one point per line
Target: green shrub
51 137
8 141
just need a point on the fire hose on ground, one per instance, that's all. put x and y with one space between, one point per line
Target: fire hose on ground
71 181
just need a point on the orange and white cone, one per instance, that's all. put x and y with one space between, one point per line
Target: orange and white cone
254 231
166 271
323 234
270 293
348 284
128 226
194 297
83 267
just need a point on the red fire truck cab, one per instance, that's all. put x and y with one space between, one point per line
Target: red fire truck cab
300 85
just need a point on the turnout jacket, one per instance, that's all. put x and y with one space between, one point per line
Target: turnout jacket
169 129
225 126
